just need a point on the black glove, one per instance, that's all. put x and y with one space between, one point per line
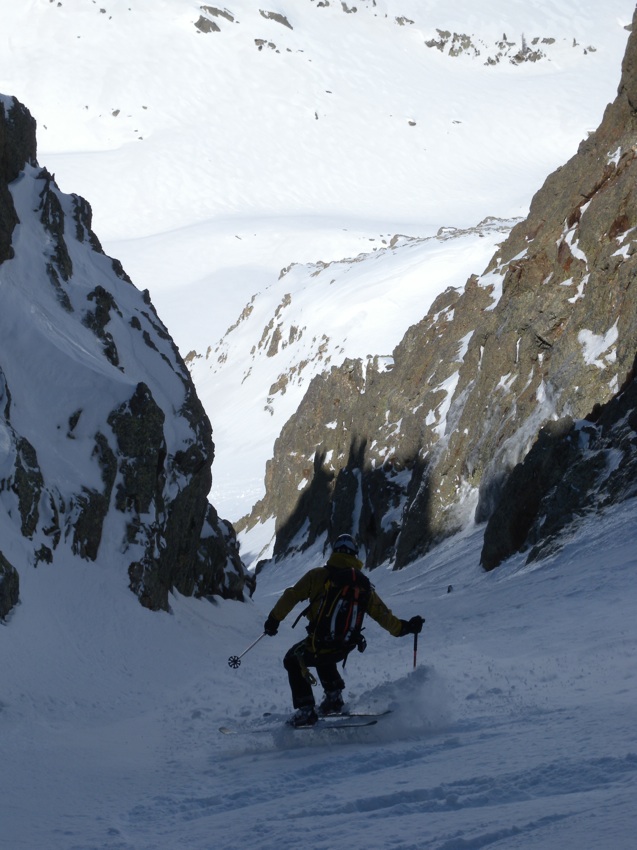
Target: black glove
271 626
411 627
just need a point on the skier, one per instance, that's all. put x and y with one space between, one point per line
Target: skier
321 649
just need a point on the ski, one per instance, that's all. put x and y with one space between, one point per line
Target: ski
334 721
346 714
359 714
340 721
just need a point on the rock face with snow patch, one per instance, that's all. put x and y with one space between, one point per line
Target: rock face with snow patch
407 457
574 468
105 447
9 586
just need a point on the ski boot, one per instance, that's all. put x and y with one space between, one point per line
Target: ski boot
332 703
305 716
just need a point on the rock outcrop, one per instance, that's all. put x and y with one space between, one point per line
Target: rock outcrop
106 449
574 469
9 587
408 456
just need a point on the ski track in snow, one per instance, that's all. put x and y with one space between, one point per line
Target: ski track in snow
516 730
288 800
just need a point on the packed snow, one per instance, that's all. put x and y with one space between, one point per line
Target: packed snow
515 730
211 166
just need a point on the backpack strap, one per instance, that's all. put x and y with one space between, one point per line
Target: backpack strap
321 611
302 614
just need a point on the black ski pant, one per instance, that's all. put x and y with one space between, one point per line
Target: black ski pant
300 657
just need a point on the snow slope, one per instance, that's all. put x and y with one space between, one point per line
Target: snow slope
311 318
214 160
516 730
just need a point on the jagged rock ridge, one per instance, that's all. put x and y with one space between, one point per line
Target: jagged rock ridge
507 48
406 457
106 449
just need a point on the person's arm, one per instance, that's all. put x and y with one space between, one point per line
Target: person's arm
290 597
378 611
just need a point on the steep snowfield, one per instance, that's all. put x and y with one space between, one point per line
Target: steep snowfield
214 160
310 319
516 729
209 171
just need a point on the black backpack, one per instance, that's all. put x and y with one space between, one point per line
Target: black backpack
342 608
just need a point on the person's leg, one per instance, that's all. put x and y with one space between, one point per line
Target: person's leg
332 682
296 665
327 671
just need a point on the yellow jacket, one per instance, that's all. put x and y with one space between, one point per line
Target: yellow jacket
311 585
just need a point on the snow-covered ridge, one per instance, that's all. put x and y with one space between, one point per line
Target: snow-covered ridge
531 340
211 165
311 317
519 48
106 448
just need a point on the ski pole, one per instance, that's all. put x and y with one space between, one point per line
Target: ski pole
415 648
235 660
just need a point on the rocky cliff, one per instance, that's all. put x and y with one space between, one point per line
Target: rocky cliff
405 457
105 450
574 468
